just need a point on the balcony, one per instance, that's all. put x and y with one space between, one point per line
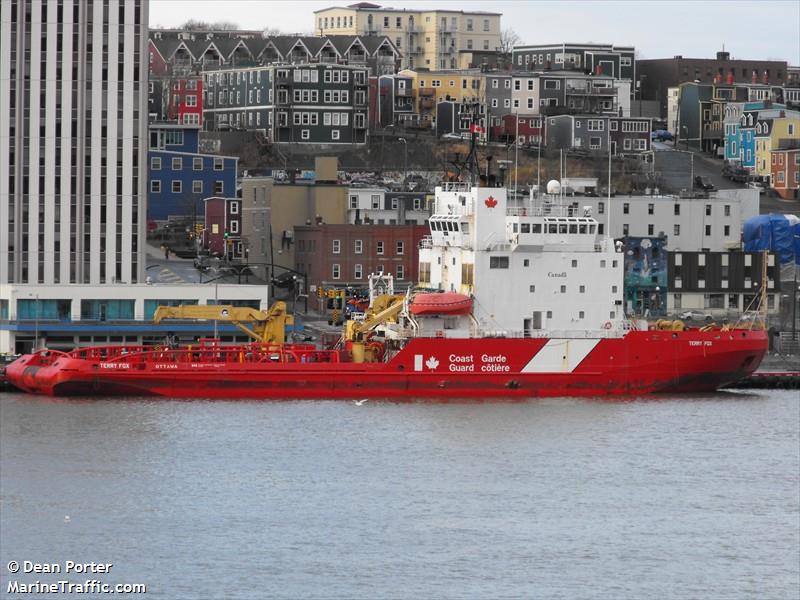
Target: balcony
404 92
427 102
591 91
425 91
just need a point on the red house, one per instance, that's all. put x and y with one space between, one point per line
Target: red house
158 64
223 233
185 105
785 178
529 129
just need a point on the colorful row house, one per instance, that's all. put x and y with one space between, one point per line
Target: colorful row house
785 176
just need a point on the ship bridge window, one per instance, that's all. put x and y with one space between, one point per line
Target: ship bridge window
537 228
582 228
525 227
552 228
498 262
573 228
591 228
562 228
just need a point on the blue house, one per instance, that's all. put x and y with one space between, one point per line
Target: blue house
180 176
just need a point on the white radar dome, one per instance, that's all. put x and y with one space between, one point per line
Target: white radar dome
553 187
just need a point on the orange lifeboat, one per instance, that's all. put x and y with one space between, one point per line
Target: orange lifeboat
445 303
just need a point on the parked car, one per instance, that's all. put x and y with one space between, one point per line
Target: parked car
758 185
451 136
661 135
696 315
703 183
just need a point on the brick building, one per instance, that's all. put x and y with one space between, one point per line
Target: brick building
341 255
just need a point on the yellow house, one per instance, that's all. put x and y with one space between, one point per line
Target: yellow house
768 133
431 87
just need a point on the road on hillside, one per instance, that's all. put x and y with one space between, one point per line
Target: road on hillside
676 168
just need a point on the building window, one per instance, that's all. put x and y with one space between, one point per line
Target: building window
334 134
219 187
625 229
305 134
626 208
650 229
218 164
375 200
358 271
400 248
155 186
337 246
677 209
353 201
234 208
197 164
197 186
234 226
708 210
177 164
676 229
650 209
708 229
358 246
336 270
155 163
379 248
498 262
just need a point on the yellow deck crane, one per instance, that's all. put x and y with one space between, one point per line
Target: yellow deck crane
384 309
267 327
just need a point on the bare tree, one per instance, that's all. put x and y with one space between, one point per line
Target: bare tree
197 25
508 39
271 31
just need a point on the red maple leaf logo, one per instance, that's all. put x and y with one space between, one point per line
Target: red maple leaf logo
491 202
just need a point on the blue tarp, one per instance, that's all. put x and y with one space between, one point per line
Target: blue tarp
776 233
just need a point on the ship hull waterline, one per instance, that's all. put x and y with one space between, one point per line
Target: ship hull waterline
641 362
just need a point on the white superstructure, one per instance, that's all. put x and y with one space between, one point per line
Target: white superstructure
532 266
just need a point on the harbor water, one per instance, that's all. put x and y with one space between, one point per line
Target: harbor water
664 497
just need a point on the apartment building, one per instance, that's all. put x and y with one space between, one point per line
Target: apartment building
604 59
626 135
432 87
309 103
559 92
432 39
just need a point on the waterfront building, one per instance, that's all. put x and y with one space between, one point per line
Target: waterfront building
721 284
63 316
180 176
432 39
344 255
713 223
73 135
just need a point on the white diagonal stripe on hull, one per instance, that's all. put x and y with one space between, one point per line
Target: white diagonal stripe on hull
560 356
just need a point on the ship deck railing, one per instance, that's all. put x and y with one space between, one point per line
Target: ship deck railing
207 353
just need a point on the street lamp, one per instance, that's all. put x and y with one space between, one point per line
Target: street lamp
405 159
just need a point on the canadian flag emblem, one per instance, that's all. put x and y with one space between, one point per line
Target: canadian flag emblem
432 363
491 202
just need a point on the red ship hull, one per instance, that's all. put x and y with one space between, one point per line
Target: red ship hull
641 362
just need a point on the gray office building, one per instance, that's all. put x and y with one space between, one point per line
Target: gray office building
73 141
